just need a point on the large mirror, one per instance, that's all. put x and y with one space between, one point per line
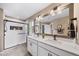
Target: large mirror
57 24
61 23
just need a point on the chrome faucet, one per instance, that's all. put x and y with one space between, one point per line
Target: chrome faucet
54 37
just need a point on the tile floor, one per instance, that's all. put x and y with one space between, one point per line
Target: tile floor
19 50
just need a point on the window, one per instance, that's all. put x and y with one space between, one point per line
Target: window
15 28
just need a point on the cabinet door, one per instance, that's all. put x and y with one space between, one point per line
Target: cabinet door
42 52
34 49
29 46
32 46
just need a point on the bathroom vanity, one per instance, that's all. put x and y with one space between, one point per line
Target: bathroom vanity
48 47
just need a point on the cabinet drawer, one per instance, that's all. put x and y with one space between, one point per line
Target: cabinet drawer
34 49
29 46
55 50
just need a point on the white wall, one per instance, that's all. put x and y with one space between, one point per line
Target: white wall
1 29
76 15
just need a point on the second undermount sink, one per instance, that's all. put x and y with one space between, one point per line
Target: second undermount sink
60 41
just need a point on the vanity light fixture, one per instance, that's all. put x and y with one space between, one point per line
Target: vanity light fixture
32 23
61 7
39 18
56 10
59 10
36 18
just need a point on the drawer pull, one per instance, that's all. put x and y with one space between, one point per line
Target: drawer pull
30 44
49 54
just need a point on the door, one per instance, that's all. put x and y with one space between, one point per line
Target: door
14 34
21 33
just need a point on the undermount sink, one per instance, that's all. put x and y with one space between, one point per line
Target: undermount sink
53 41
58 41
61 41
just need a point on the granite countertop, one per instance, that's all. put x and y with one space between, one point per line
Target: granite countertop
61 44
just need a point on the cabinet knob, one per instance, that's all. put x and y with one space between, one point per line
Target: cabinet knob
49 54
30 44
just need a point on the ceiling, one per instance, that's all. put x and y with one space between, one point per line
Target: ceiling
50 18
22 10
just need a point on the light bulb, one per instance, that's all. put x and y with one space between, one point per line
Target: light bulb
52 13
32 23
40 17
37 18
59 10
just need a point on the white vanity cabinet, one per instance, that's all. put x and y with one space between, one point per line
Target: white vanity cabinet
34 49
40 48
54 51
32 46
